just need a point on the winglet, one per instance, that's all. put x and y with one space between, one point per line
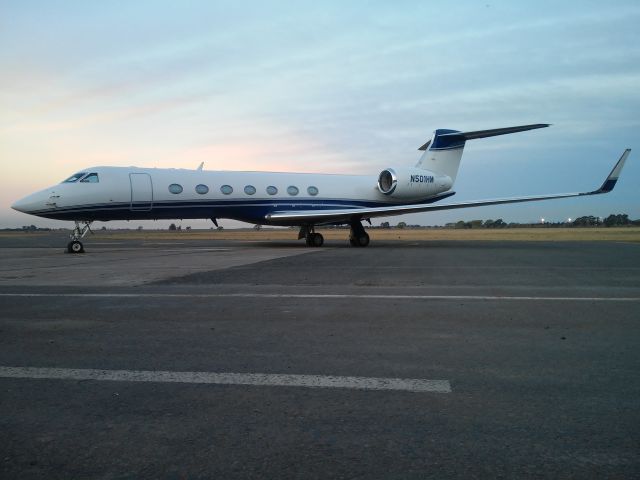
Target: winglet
611 180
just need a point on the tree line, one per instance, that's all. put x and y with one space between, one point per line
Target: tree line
613 220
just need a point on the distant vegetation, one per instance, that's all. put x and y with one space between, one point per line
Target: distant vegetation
27 228
613 220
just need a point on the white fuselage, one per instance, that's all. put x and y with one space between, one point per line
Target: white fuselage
126 193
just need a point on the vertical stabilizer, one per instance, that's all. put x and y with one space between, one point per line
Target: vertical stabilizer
442 154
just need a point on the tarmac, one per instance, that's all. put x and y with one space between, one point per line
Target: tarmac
205 359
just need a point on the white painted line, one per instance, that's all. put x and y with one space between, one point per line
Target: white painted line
163 243
259 379
190 251
325 296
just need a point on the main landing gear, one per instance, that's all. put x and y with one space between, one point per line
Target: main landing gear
312 238
358 237
75 245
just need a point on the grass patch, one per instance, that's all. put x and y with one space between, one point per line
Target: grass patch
599 234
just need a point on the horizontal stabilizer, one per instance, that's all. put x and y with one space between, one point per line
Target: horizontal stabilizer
494 132
463 136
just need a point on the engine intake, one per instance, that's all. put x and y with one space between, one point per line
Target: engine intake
387 181
412 183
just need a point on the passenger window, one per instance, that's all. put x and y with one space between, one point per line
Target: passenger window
75 177
91 178
175 188
226 189
313 191
271 190
249 189
293 191
202 189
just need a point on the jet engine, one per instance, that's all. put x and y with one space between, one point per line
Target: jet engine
412 183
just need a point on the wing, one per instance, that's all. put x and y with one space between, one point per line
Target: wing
347 215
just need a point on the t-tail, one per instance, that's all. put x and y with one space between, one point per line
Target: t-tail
442 154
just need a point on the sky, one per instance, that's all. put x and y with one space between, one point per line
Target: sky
337 87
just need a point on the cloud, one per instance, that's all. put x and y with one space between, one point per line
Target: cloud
334 87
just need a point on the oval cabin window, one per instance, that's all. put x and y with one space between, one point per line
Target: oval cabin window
293 191
249 189
226 189
202 189
175 188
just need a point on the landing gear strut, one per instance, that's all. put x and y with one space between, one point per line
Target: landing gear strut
358 237
312 238
75 245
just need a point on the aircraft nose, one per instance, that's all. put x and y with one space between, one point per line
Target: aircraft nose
30 203
20 205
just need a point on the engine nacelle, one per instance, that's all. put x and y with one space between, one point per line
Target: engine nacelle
412 183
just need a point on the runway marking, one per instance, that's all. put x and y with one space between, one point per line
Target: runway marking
256 379
327 296
194 250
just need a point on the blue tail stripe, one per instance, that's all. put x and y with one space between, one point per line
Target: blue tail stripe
444 140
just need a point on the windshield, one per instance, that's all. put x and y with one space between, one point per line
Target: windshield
75 177
91 178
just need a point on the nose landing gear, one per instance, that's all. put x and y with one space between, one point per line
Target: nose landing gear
75 245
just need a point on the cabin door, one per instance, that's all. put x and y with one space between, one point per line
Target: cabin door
141 192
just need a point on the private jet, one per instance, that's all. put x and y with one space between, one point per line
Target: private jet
305 200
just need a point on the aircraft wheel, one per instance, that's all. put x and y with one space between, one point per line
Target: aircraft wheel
352 242
317 240
75 246
363 240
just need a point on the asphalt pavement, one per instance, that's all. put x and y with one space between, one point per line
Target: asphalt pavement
273 360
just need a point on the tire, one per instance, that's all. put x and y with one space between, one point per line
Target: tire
75 247
317 240
363 240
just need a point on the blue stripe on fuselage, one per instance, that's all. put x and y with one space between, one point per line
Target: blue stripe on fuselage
251 211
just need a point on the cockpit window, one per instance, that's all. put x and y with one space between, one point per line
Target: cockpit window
75 177
91 178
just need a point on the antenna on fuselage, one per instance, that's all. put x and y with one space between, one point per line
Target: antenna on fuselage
200 167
